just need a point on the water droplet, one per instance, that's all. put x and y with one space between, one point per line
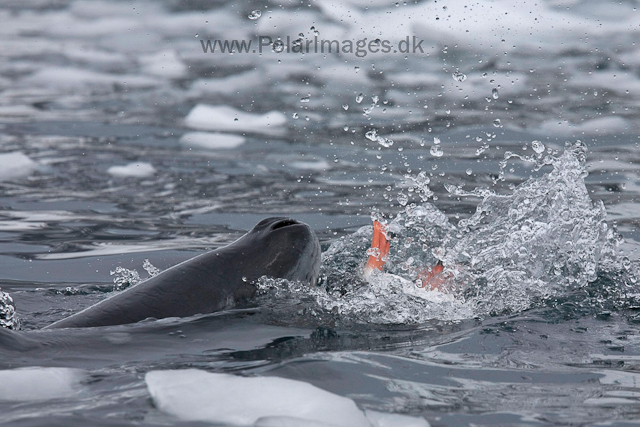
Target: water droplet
497 123
345 107
537 146
305 99
469 171
459 77
197 35
436 140
436 151
494 93
403 199
371 135
374 252
315 32
295 115
255 14
359 98
244 278
278 46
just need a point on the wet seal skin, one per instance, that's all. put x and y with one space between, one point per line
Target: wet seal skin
217 280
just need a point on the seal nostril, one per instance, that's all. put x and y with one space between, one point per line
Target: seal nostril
284 223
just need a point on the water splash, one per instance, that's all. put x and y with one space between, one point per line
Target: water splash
458 76
151 269
124 278
8 316
372 135
540 244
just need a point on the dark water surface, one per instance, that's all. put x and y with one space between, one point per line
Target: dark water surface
529 191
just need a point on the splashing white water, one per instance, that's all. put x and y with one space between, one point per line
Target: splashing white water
123 277
544 240
8 316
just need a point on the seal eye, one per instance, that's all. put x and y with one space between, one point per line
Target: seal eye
284 223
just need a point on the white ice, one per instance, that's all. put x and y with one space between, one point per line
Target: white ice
211 140
36 383
481 26
136 170
195 395
163 64
384 419
319 165
71 78
15 165
225 118
233 84
600 126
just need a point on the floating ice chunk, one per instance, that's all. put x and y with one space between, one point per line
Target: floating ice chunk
195 395
599 126
163 64
320 165
614 81
225 118
416 79
384 419
36 383
69 78
211 140
18 110
15 165
229 85
136 170
342 73
85 55
290 21
289 422
100 9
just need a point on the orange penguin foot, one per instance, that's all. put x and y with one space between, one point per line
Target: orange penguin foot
434 278
431 278
379 251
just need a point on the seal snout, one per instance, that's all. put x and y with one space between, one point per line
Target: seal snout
285 222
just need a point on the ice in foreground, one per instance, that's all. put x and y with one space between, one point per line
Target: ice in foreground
195 395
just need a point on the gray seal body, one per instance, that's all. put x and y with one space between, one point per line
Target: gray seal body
217 280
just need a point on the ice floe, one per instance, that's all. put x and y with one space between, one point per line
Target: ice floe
600 126
163 64
229 85
69 78
15 165
136 170
36 383
195 395
211 140
225 118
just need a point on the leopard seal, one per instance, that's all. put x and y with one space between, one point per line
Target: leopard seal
217 280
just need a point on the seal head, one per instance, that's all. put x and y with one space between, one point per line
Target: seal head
217 280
